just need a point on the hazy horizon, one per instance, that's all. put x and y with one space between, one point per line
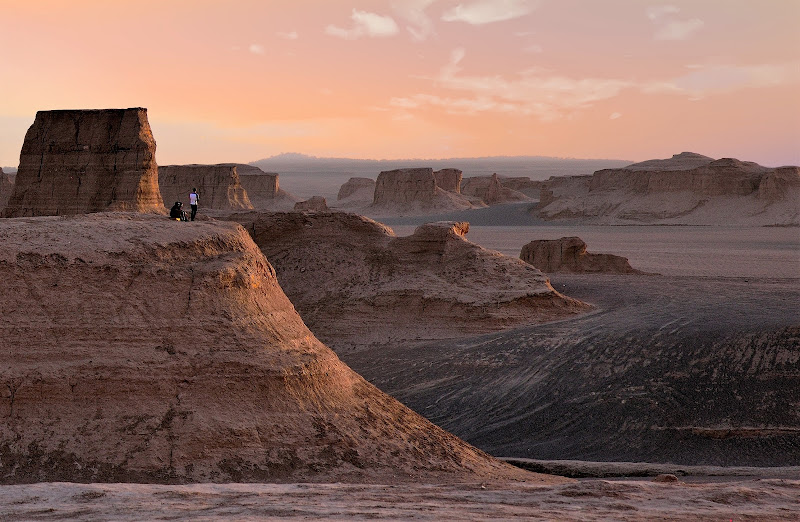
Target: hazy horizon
244 80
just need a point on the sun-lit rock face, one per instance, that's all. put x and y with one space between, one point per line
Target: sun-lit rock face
569 254
218 186
686 189
82 161
449 179
356 284
134 348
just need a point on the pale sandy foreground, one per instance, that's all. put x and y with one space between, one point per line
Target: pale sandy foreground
770 499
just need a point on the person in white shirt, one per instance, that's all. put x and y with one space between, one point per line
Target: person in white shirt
193 199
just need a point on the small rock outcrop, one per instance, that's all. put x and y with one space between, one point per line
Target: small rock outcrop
356 284
6 188
217 185
83 161
686 189
356 186
315 204
413 191
569 254
492 190
136 349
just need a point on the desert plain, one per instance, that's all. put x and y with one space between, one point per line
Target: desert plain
394 356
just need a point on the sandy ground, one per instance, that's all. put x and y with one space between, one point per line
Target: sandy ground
760 500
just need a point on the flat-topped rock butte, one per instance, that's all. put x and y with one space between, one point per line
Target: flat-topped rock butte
415 191
569 255
355 283
140 349
79 161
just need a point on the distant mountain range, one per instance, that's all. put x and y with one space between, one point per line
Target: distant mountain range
535 167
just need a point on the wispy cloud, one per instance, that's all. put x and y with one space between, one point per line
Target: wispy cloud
668 26
288 36
257 49
365 24
487 11
420 25
615 116
713 79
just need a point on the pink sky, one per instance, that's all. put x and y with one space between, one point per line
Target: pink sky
241 80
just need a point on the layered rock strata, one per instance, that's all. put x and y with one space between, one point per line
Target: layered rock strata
81 161
356 284
138 349
314 204
569 255
687 189
413 191
449 179
217 185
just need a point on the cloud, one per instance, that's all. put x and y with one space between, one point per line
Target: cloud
487 11
420 25
365 24
656 12
534 92
257 49
669 27
614 116
715 79
678 30
288 36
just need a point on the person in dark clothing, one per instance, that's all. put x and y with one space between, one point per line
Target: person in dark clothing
177 212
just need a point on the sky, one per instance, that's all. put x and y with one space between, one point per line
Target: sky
241 80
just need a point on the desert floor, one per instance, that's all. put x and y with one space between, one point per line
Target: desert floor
771 499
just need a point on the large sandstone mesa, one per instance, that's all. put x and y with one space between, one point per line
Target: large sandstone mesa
493 190
357 285
263 188
137 349
82 161
413 191
217 185
687 189
6 188
569 255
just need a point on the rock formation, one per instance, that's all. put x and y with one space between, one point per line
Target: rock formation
687 189
315 204
81 161
356 193
413 191
569 254
217 185
138 349
6 188
356 284
492 190
449 179
263 188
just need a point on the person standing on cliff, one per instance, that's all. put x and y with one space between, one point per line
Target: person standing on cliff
193 199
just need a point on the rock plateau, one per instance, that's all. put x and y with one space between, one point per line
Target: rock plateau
686 189
314 204
137 349
492 190
79 161
415 191
263 188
